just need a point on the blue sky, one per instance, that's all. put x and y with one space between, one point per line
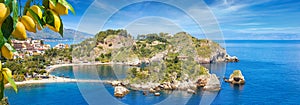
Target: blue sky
237 19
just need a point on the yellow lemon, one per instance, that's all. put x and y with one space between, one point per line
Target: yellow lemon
56 22
38 11
20 31
6 53
28 23
4 12
9 74
59 8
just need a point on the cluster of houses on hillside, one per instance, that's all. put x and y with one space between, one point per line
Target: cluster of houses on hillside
31 47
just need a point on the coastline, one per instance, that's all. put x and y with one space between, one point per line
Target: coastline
55 79
52 67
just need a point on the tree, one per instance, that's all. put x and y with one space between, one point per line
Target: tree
14 24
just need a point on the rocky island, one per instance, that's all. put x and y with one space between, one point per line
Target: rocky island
158 61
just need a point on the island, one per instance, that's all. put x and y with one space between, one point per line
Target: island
158 61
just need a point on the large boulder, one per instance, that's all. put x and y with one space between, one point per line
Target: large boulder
120 91
115 83
236 77
213 83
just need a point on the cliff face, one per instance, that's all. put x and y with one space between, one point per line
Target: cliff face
217 53
119 47
202 50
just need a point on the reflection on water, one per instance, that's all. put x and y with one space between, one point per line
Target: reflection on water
105 72
237 86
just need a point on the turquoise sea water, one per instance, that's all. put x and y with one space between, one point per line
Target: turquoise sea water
271 70
52 43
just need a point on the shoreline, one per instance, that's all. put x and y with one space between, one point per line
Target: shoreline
52 67
56 79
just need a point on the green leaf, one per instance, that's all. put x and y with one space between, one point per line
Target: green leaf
9 47
46 3
42 8
7 27
54 2
48 18
10 80
61 29
1 1
2 39
67 5
36 17
27 5
15 13
9 4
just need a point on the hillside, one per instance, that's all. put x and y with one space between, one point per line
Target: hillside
118 46
50 35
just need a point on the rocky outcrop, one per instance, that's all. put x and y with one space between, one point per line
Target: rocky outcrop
229 58
213 83
191 91
218 53
120 91
159 57
115 83
157 94
236 77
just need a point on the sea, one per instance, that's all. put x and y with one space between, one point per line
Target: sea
271 69
53 43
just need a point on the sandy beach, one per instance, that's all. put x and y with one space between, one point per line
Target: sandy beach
55 79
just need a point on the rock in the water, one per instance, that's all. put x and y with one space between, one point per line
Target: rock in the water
115 83
236 77
229 58
157 94
120 91
152 90
213 83
144 93
191 91
157 88
201 82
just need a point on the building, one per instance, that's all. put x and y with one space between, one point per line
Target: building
61 46
30 47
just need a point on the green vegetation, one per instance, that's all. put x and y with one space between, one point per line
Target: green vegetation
36 64
104 58
167 71
177 60
54 56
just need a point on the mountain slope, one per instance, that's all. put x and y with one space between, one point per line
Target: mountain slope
69 34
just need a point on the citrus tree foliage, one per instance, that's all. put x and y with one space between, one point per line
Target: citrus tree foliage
36 15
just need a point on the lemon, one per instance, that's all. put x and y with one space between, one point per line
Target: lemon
56 22
59 8
28 23
38 11
20 31
4 12
9 74
6 53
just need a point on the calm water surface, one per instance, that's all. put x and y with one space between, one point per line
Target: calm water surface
271 70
